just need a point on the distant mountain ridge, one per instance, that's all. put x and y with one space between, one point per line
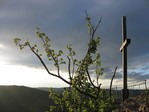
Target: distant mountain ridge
58 90
23 99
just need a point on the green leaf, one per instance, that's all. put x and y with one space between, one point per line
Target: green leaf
40 55
35 45
88 18
37 50
60 52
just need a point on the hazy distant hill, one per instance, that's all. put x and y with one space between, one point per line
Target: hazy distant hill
57 90
23 99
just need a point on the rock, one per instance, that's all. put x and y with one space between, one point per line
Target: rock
135 104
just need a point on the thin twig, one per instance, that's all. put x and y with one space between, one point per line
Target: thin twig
69 64
94 30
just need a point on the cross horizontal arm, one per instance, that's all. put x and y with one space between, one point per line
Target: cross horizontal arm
125 44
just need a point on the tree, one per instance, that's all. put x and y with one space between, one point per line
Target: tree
84 93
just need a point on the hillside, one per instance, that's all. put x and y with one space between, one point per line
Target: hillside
23 99
139 103
57 90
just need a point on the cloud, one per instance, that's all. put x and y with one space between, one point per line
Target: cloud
138 76
109 72
145 68
64 23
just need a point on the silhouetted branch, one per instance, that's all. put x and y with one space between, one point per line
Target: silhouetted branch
112 80
89 77
69 72
94 30
42 62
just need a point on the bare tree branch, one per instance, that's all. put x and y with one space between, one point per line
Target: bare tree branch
112 80
94 30
69 71
89 77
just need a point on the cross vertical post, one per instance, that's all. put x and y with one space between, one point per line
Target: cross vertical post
123 49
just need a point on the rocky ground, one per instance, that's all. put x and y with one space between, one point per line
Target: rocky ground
135 104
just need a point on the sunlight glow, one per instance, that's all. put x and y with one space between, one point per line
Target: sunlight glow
22 75
2 46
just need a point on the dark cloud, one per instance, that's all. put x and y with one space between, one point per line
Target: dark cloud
108 74
137 76
145 68
65 23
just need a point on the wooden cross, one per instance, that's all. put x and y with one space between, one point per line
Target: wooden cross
123 49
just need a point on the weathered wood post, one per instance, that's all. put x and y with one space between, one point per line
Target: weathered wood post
123 49
145 85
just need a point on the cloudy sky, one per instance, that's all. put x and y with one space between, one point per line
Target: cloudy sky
64 22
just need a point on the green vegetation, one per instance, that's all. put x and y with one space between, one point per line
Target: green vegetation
84 93
23 99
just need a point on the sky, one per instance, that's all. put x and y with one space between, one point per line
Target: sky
64 22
